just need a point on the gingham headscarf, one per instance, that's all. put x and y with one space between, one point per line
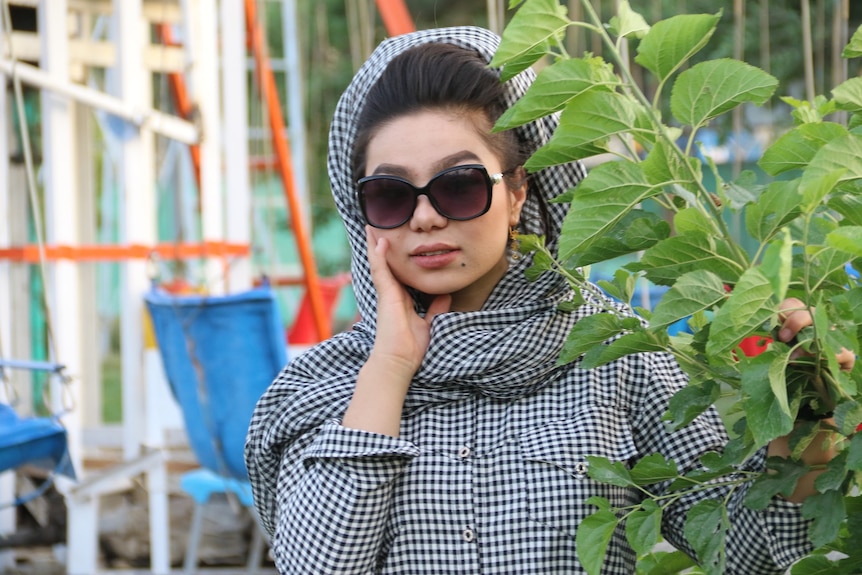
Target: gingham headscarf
506 350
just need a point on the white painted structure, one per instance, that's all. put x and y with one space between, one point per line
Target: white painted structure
212 59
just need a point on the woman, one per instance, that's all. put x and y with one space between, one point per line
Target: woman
440 435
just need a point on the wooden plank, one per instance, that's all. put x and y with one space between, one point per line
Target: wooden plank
97 53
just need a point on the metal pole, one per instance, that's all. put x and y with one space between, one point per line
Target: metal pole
61 216
807 49
139 116
295 102
7 479
235 141
203 36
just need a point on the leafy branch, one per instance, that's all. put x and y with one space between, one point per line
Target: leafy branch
652 201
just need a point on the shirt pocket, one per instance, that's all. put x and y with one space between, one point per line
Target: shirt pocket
555 466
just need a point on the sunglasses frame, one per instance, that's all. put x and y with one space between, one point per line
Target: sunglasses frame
490 181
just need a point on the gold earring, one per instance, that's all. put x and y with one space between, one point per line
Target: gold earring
514 244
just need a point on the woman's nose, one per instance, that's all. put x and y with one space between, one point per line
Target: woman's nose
425 216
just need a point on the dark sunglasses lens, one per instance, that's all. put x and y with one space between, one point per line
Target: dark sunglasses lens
461 194
388 202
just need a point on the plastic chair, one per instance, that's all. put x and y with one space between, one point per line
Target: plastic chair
36 441
219 353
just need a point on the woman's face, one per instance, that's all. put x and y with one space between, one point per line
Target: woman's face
430 252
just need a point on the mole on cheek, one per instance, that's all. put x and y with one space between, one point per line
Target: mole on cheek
463 265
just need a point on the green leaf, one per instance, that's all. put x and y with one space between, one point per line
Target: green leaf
828 511
850 208
689 402
622 286
627 22
777 264
848 95
653 469
638 342
833 477
705 529
778 206
693 292
664 563
843 154
555 86
711 88
814 565
765 399
782 478
848 415
691 220
586 126
847 239
677 255
742 191
854 47
611 472
533 28
662 167
592 538
643 527
588 332
636 231
750 305
854 453
814 190
796 148
601 200
671 42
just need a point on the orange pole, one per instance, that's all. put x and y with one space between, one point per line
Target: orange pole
182 101
282 152
167 251
396 17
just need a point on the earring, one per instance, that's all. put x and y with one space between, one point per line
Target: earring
514 244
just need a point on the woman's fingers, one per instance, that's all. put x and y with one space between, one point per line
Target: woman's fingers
377 248
846 359
795 316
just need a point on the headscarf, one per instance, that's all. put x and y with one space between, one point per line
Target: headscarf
506 350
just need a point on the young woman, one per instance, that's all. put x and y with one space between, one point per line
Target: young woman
440 435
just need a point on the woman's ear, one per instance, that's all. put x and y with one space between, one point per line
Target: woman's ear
517 186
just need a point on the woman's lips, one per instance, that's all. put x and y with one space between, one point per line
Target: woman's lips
434 257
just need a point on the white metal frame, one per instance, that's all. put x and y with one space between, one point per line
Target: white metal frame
212 30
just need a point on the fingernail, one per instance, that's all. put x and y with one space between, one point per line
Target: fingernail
785 334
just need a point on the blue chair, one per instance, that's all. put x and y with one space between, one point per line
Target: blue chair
219 353
36 441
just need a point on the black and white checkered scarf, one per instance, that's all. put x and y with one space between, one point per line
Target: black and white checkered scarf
506 350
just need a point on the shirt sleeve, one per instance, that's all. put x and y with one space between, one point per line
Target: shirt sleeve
760 542
334 500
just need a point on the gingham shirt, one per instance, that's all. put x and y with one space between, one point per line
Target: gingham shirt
489 474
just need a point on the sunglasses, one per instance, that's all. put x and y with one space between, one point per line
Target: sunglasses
457 193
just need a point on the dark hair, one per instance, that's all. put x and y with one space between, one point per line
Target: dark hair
442 76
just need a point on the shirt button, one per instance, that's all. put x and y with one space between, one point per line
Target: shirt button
464 452
468 535
581 468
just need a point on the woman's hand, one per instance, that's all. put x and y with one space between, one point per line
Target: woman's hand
402 335
796 316
400 345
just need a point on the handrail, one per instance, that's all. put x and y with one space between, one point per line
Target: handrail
159 122
167 251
